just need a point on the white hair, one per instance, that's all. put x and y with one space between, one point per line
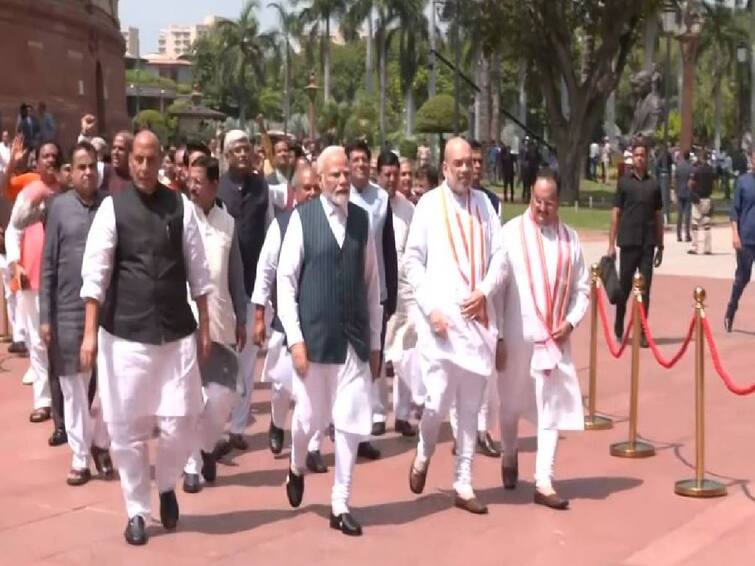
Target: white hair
232 137
326 154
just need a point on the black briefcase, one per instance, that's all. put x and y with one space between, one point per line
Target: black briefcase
610 279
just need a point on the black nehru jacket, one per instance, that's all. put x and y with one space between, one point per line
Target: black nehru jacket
332 292
147 300
247 202
282 219
638 200
704 176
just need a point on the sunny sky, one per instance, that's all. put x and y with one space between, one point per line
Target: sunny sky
152 15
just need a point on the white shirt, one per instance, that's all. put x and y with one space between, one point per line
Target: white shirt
594 150
374 200
267 266
403 211
279 194
99 254
4 156
289 268
437 281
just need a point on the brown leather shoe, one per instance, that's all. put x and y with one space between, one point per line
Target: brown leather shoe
510 474
78 477
103 462
417 477
40 415
472 505
554 500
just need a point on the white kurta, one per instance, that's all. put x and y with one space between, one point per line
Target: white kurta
351 408
142 380
436 276
554 401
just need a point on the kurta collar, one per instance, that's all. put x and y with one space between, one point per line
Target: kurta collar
332 209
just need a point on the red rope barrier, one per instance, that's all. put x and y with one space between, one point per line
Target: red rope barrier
615 350
668 364
730 385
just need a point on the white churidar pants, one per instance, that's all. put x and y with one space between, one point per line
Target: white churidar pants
488 409
247 363
28 313
339 393
11 301
445 383
219 400
131 456
547 442
85 427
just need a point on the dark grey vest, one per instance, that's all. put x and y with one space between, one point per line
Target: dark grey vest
282 219
332 293
147 300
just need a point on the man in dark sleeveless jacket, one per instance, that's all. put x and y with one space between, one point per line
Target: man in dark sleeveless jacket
143 248
278 368
329 305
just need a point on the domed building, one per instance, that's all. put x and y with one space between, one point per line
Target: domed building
68 54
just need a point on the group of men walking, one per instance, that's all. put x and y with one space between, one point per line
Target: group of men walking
169 296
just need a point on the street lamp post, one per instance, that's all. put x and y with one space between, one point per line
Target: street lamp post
668 23
162 101
689 39
311 90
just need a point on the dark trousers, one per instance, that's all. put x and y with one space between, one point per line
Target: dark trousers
683 217
745 257
633 258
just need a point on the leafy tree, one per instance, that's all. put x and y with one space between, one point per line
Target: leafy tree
436 116
290 27
163 127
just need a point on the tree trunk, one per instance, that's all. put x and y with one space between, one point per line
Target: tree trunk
689 60
370 59
522 92
286 90
382 86
717 110
650 37
484 110
478 95
495 97
409 104
326 61
431 55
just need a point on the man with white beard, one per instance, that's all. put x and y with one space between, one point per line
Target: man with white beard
278 368
544 301
329 304
454 262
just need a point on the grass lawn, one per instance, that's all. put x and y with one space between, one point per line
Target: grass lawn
600 196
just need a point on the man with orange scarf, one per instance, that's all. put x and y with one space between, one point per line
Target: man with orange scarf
544 301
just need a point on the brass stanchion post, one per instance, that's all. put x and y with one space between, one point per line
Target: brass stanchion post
593 421
634 448
699 486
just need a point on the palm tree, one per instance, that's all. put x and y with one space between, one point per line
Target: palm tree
318 15
412 30
356 14
243 47
289 27
722 32
386 12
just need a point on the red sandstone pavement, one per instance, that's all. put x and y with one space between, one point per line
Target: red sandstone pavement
623 511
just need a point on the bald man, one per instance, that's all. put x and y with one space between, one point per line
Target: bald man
539 380
143 248
329 305
278 368
454 263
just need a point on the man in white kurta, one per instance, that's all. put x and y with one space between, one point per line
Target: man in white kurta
278 369
454 263
539 381
143 247
227 305
400 336
329 304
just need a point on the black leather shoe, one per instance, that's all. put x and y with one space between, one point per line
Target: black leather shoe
417 477
554 500
405 428
103 462
78 477
368 451
191 484
294 488
728 323
275 438
209 467
315 463
473 505
510 474
486 446
135 532
346 523
222 448
18 348
378 429
169 509
40 415
237 441
58 437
